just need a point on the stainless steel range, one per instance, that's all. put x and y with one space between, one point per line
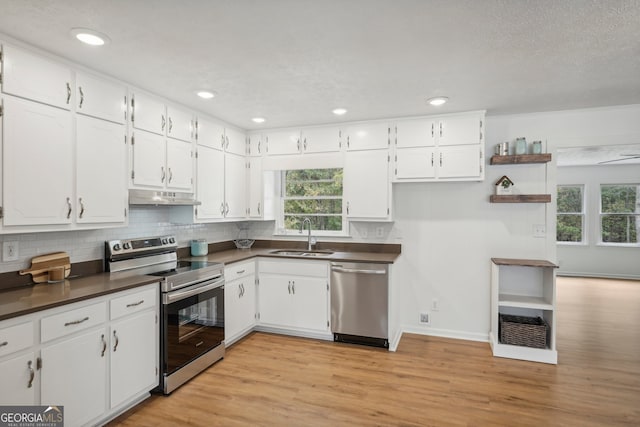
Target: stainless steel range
192 304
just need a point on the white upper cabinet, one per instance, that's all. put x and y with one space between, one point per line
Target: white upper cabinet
101 183
367 186
459 161
37 163
210 134
321 140
416 133
36 78
100 98
179 174
367 136
235 142
256 145
210 184
148 113
235 193
148 159
179 124
461 130
283 142
415 163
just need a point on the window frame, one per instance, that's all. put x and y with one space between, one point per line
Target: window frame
583 216
280 223
601 215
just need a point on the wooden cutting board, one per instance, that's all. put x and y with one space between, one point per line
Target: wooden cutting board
41 264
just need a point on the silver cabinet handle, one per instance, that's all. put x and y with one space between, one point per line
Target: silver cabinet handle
170 124
170 175
32 373
259 209
76 322
293 287
68 93
240 272
222 141
240 291
431 159
227 146
441 129
259 147
226 211
2 344
163 121
104 345
81 96
298 144
115 346
289 287
134 304
432 134
222 208
163 174
347 208
69 206
81 207
440 159
305 144
357 270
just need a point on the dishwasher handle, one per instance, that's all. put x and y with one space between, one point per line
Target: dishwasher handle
340 269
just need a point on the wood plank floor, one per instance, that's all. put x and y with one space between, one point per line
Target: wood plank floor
273 380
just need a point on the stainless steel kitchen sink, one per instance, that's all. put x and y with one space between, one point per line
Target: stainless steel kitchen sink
289 252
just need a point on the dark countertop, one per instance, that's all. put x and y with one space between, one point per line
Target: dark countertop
29 299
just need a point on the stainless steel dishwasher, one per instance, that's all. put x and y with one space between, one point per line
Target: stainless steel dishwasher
360 303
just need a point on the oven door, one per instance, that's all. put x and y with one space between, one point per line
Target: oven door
193 323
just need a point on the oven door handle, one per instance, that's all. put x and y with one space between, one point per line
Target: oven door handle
180 295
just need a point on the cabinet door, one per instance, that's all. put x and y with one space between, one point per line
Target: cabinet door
276 306
179 165
148 113
101 185
149 158
210 183
18 388
240 307
33 77
210 134
283 142
415 163
366 184
74 374
179 124
100 98
459 130
37 164
256 146
415 133
235 186
460 161
255 199
367 136
134 349
321 140
235 142
310 303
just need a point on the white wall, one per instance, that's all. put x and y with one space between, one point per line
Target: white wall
591 258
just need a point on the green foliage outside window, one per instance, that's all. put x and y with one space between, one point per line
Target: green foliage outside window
315 194
570 204
620 208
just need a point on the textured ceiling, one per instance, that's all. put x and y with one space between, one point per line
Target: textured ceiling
293 61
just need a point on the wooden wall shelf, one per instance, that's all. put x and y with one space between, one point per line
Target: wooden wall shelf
521 198
521 159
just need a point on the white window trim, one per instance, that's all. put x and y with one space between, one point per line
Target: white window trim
583 214
601 214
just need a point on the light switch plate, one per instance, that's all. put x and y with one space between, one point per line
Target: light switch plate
539 230
10 251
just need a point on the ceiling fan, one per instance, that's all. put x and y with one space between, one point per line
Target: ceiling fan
626 157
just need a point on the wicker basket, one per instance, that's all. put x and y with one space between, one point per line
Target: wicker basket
524 331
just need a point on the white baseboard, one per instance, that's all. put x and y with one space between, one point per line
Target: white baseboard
327 336
597 276
445 333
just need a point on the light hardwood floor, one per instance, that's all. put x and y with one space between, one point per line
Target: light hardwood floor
285 381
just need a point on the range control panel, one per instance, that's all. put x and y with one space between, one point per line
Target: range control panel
133 247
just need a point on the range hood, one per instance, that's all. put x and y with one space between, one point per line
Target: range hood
167 198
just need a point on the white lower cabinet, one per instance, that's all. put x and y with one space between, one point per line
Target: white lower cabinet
239 300
94 361
294 295
73 375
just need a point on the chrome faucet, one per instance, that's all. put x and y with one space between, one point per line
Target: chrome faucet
306 221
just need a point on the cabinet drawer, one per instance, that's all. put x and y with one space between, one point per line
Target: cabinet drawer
295 268
14 338
241 269
132 303
71 321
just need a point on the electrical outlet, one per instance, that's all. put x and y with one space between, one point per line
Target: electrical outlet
424 318
364 232
539 230
379 232
9 251
435 304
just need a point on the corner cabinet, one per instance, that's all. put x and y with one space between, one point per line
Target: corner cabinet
523 287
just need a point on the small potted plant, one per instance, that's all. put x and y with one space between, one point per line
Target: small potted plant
504 186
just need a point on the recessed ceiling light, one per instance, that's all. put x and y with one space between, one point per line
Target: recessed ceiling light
437 101
90 37
339 111
259 119
205 94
